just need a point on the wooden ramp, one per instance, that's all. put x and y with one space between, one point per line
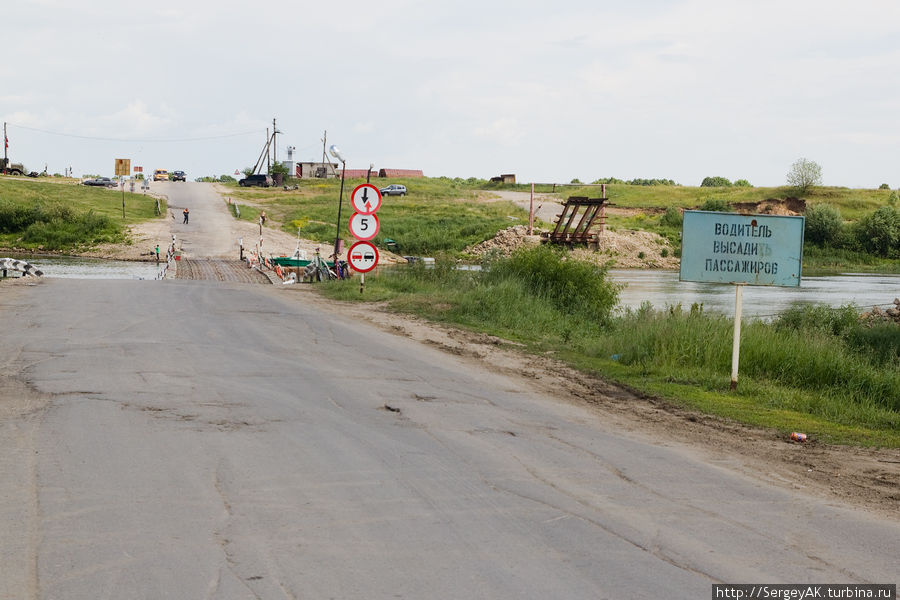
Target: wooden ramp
579 214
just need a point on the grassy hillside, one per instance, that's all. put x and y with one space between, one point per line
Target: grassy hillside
436 216
45 215
446 215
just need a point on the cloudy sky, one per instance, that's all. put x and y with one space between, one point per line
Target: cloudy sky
676 89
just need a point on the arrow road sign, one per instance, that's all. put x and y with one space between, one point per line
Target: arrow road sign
363 257
364 227
366 199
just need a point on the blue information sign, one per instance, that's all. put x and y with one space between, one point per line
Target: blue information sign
752 249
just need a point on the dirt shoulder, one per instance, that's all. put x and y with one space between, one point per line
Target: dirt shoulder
863 477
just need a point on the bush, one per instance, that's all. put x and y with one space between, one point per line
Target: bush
716 205
742 183
824 224
879 232
884 186
715 182
672 218
571 286
892 199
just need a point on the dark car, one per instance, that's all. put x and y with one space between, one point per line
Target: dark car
393 190
177 176
257 180
100 181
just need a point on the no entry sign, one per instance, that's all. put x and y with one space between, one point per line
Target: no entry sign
364 227
366 199
363 257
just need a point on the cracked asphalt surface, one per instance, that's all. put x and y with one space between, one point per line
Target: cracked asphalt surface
201 439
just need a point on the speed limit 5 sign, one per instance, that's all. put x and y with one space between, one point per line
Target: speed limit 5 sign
364 227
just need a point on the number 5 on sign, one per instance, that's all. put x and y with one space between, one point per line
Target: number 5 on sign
364 227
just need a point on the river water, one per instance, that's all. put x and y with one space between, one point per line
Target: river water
74 267
662 288
658 287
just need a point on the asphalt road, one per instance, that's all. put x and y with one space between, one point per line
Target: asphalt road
185 439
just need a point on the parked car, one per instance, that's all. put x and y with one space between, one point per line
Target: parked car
100 181
393 190
178 176
257 180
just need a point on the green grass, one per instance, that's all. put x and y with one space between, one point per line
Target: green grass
817 370
37 215
853 203
441 214
436 216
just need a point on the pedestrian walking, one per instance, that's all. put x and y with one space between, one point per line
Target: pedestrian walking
186 215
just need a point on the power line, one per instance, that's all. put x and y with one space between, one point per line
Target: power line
137 140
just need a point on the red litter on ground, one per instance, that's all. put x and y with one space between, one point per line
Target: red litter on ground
798 437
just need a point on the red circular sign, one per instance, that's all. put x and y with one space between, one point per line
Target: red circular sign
363 257
364 227
366 199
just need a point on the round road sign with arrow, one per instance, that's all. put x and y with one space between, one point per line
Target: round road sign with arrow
366 199
364 227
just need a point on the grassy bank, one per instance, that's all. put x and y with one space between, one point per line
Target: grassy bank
436 216
447 215
814 370
36 215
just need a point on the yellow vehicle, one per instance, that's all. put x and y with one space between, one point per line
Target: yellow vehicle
160 175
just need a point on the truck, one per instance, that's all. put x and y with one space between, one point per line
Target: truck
12 168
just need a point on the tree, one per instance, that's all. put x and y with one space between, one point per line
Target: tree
742 183
247 171
879 232
278 167
715 182
823 224
804 174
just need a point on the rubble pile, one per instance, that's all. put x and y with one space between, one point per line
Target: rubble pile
623 249
629 249
876 315
506 242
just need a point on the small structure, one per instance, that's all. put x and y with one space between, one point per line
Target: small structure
400 173
315 170
572 229
504 178
358 173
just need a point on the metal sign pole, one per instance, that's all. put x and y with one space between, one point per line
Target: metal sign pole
736 348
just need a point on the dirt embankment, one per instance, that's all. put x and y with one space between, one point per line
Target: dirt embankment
626 249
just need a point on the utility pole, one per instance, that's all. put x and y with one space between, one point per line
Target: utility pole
5 144
274 147
268 153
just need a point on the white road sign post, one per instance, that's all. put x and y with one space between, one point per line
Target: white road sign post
363 257
366 199
364 227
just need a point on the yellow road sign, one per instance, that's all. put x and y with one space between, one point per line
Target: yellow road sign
123 166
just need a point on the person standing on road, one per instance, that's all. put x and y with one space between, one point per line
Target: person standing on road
186 214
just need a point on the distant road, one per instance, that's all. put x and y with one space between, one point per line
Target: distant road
209 229
183 439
